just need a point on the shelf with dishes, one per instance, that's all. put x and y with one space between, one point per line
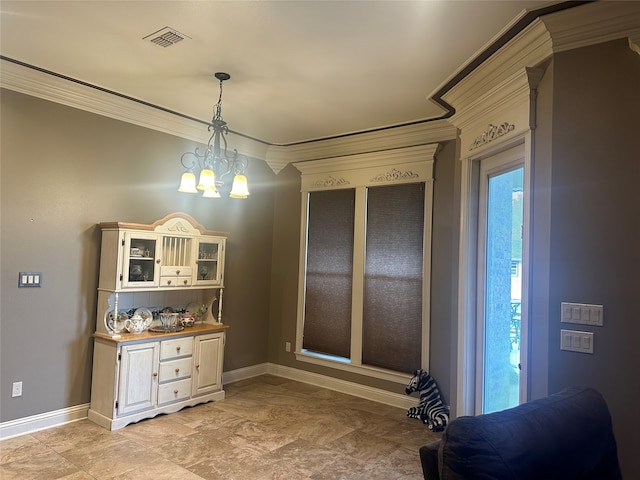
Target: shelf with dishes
155 319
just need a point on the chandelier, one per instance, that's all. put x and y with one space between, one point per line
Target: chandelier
215 163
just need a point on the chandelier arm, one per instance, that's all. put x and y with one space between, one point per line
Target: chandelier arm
240 163
229 164
210 147
194 161
202 158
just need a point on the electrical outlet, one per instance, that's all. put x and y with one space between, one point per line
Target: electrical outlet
16 391
287 346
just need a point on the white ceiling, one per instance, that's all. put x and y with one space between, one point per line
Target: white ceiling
300 70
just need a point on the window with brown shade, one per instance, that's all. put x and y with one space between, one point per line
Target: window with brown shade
327 325
392 313
391 293
365 262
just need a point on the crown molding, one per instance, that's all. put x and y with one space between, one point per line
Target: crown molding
364 143
532 47
58 89
65 91
593 23
585 25
581 26
422 153
506 96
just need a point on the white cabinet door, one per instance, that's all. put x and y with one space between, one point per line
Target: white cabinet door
209 261
138 386
140 266
207 363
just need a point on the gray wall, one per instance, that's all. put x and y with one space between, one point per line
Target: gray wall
444 270
64 170
595 227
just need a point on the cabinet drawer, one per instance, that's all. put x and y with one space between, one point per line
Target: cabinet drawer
176 271
175 281
180 347
173 391
175 369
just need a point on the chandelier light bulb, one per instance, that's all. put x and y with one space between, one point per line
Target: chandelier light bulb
188 183
207 179
240 188
211 193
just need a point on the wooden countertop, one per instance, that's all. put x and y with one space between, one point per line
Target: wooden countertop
198 329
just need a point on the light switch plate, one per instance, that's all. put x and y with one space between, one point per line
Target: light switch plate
29 279
576 341
582 313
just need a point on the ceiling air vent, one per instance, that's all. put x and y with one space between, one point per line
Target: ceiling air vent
166 37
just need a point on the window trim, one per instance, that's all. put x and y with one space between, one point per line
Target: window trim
468 253
389 167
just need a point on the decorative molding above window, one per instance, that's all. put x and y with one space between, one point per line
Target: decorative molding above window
395 174
388 167
329 182
492 133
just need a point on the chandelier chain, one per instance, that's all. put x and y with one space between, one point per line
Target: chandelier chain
218 111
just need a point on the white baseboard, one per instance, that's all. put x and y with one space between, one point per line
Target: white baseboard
244 373
377 395
34 423
42 421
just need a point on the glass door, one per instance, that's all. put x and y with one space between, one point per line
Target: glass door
139 269
500 283
209 262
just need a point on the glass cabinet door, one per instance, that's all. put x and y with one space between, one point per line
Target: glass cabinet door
209 262
139 267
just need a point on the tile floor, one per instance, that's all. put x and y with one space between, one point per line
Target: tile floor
267 428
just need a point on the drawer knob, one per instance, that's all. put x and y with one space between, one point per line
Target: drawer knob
198 366
175 392
155 374
158 261
177 272
178 348
185 282
177 370
168 282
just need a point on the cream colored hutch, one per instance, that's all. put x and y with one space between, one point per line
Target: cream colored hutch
176 264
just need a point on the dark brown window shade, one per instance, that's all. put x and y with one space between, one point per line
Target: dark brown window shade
327 318
392 316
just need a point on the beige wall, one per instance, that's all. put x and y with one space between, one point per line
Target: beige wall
64 170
